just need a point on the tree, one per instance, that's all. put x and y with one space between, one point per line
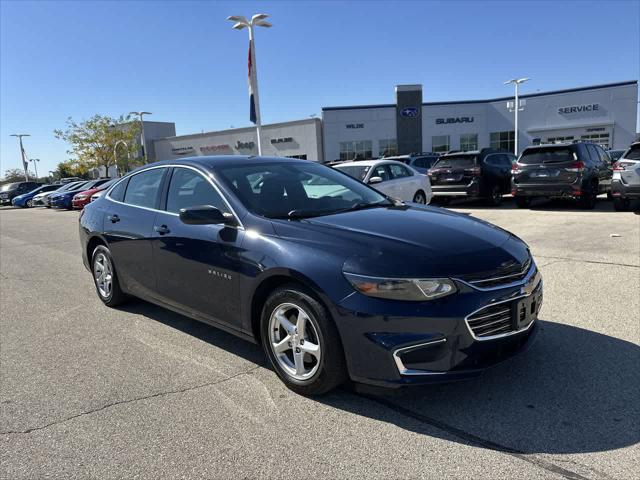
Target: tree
92 141
14 175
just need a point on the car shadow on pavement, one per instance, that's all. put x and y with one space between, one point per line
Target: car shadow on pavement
572 391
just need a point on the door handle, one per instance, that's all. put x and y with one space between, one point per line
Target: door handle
113 218
162 229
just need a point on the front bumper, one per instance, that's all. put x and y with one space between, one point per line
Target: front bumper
621 189
60 202
80 204
394 344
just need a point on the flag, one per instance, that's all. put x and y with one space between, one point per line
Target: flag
252 85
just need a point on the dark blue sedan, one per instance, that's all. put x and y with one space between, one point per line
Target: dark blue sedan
64 199
334 279
26 199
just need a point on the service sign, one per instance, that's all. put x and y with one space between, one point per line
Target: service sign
591 107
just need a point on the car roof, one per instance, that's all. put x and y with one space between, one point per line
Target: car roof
371 163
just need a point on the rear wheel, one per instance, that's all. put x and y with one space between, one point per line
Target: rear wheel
495 196
621 204
523 202
588 198
29 203
302 342
420 197
105 277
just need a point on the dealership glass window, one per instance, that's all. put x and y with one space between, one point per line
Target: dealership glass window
601 139
503 140
387 148
559 139
360 150
440 143
469 141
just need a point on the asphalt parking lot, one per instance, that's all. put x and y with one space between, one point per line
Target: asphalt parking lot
140 392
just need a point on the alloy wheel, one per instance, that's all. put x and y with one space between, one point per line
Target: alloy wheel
419 198
29 203
103 274
294 341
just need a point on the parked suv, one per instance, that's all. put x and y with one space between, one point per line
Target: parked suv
10 190
482 173
579 171
421 162
626 178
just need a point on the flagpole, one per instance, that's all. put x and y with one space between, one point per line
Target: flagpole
255 93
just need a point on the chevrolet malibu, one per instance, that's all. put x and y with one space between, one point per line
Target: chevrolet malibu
335 280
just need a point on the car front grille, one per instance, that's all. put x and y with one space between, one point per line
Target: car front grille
492 320
500 278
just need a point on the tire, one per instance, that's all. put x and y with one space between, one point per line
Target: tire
523 202
495 196
110 294
609 196
305 373
589 197
29 203
420 197
621 204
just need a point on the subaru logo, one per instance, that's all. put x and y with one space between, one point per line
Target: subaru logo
411 112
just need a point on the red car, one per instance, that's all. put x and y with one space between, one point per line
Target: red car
81 199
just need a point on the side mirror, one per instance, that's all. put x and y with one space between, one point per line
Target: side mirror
375 180
205 215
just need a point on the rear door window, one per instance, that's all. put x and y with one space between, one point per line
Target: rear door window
142 190
539 156
398 171
459 161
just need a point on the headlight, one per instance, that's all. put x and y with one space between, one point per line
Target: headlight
409 289
79 197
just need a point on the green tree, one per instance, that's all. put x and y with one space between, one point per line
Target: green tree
15 175
92 141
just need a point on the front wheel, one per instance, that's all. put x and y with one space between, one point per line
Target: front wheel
589 197
420 197
302 342
495 196
29 203
105 277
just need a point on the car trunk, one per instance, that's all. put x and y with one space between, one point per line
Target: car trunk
458 170
547 165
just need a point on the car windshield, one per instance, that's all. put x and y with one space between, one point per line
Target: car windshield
459 161
633 153
355 171
297 190
108 184
546 155
615 154
9 186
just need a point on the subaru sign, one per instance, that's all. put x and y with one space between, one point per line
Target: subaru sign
411 112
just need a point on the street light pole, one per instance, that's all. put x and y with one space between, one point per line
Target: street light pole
516 108
35 166
24 159
240 23
142 141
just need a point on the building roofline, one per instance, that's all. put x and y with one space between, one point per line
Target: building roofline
240 129
491 100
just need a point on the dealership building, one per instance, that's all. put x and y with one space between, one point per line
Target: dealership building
605 114
296 139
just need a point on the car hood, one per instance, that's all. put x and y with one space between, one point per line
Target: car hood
412 242
89 192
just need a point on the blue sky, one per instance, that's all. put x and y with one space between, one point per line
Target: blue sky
182 61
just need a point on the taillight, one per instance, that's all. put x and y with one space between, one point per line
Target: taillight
515 169
576 167
618 167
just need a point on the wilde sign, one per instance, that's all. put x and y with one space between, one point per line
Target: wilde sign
245 145
591 107
440 121
281 140
355 125
411 112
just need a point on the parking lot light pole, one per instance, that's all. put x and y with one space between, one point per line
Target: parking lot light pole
35 166
516 108
240 23
144 146
24 159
